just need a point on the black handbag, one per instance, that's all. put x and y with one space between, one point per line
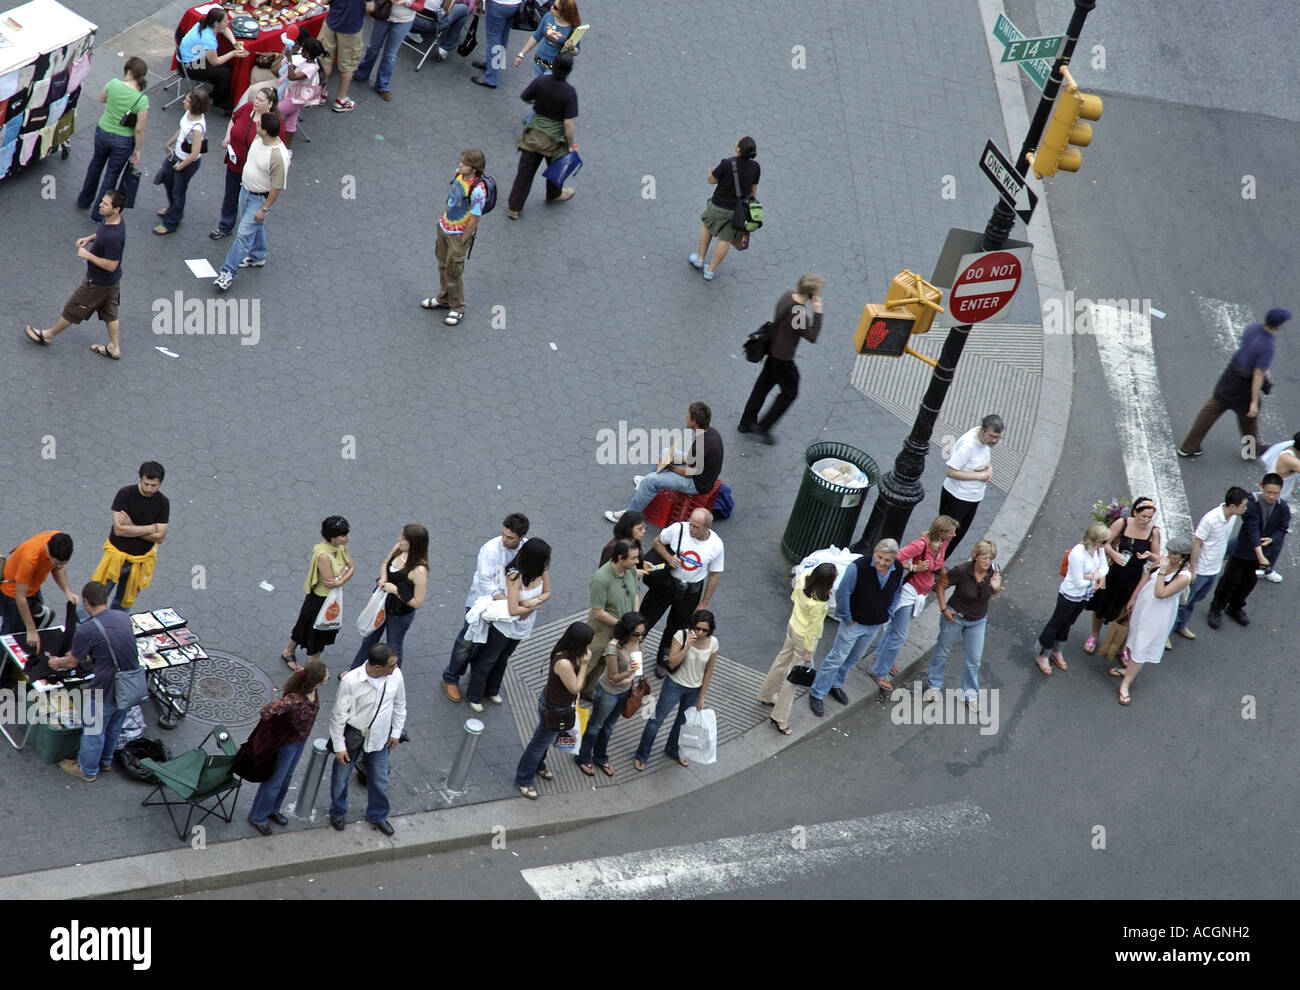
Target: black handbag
561 719
528 16
747 216
758 343
801 675
470 41
131 118
381 10
129 183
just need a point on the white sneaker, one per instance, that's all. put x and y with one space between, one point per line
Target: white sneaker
637 479
1270 575
440 54
496 699
972 704
931 694
474 706
613 516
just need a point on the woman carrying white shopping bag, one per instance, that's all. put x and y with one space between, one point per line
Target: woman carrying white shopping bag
403 577
330 568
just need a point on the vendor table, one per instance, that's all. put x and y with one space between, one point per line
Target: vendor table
268 40
15 655
44 59
163 643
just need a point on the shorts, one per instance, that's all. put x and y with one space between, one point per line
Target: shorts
347 48
91 299
717 220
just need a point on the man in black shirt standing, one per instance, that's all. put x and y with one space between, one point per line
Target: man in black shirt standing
693 473
548 134
140 517
98 292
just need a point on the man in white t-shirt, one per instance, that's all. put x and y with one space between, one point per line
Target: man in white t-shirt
693 553
263 180
969 471
1209 545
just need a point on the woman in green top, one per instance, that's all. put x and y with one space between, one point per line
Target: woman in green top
117 139
331 567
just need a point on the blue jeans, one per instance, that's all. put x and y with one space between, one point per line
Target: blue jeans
176 183
97 747
851 644
270 795
397 625
386 37
895 636
376 786
605 711
230 202
113 151
497 30
658 481
670 693
1201 586
250 236
10 620
971 634
534 757
461 651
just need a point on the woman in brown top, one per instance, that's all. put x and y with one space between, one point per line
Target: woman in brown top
792 321
968 588
566 670
272 750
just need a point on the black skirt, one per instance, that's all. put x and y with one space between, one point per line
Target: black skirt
312 640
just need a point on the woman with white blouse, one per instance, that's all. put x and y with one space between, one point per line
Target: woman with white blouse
1085 575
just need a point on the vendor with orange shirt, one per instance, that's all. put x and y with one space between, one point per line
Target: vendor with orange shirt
25 570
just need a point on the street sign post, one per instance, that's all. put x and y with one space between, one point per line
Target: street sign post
1012 186
1026 49
986 283
1037 69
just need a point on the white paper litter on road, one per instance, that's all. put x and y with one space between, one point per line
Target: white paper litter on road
265 586
201 268
163 350
703 869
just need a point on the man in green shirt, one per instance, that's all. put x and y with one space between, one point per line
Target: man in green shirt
614 593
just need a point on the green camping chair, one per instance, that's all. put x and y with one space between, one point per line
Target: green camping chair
201 780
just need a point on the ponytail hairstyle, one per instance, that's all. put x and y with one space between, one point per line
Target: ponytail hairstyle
314 50
136 68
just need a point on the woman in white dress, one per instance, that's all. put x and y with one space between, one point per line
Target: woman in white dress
1155 606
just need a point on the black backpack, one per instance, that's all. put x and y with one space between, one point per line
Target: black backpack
489 185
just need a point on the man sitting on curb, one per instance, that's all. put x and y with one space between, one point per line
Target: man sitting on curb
863 603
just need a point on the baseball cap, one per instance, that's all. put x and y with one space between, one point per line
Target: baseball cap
1276 317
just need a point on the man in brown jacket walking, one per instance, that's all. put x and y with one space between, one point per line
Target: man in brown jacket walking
792 321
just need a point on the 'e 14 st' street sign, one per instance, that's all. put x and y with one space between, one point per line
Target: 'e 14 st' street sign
1037 69
1013 187
1031 48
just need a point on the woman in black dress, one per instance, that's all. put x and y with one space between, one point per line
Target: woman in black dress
331 567
1134 540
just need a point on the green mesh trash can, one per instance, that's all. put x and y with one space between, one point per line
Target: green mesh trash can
825 513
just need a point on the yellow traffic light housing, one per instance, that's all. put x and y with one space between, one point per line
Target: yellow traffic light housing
882 331
908 291
1067 131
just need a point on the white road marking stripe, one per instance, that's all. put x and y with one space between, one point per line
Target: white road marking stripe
722 865
983 288
1129 361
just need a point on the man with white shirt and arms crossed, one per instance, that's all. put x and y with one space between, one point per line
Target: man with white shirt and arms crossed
968 474
371 700
1209 544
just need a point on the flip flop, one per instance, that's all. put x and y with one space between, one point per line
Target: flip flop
432 303
881 683
607 769
685 763
1059 660
1043 665
1124 699
1115 672
103 351
160 229
1090 645
894 671
777 725
585 767
34 335
638 765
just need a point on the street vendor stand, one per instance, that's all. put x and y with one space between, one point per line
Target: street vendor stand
44 59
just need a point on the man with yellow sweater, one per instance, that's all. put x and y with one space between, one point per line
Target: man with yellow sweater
140 515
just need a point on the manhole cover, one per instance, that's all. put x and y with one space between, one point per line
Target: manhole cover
227 690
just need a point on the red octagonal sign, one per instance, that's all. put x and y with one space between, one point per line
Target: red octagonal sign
985 286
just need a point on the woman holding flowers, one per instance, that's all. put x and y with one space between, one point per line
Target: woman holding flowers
1133 543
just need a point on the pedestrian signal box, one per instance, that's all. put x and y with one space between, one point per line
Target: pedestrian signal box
883 331
908 291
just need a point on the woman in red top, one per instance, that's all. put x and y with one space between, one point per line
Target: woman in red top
272 750
923 558
240 133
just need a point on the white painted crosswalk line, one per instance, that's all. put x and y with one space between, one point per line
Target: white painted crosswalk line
1142 422
722 865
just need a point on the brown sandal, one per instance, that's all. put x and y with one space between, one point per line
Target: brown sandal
1059 660
1043 665
585 767
1124 699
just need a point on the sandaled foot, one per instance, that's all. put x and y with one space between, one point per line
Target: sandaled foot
681 762
1124 699
103 351
585 767
160 229
894 671
545 774
1115 672
34 335
882 683
1090 645
607 769
432 303
1059 660
1043 664
785 730
294 666
638 765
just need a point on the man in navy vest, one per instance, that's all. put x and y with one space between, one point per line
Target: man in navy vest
863 602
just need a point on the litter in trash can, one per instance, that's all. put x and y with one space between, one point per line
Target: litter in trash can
841 473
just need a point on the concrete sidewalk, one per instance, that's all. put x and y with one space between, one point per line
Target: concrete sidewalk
105 845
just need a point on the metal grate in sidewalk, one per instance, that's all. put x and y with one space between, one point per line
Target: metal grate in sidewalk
731 695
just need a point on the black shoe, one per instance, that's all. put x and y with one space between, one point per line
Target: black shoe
1239 616
1194 453
816 705
337 822
746 427
216 233
264 829
839 695
1214 619
764 436
278 818
384 827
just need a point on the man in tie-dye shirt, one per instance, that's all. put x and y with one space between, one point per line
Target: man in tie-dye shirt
456 227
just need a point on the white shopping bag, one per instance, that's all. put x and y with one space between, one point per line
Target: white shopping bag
570 740
830 555
330 616
698 742
372 616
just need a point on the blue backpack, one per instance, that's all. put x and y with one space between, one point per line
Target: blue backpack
723 503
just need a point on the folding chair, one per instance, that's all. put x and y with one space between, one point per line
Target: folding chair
182 74
431 36
200 779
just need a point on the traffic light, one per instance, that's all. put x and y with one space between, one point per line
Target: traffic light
1066 129
911 292
882 331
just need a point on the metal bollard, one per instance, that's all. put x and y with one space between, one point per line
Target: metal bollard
460 766
320 757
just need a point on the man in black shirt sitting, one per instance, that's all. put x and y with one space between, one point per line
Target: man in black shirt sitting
694 473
